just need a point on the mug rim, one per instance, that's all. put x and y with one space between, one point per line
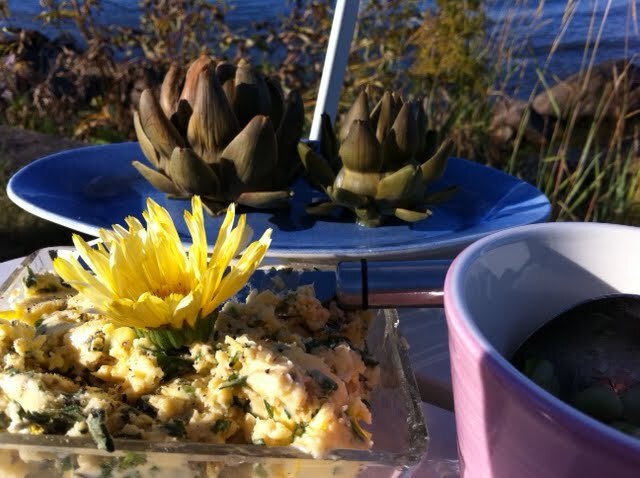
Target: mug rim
460 321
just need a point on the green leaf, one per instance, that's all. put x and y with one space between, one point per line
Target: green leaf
327 385
99 431
131 460
169 339
233 381
172 365
30 279
175 428
220 425
268 408
357 431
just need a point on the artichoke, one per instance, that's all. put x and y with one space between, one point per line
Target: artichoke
379 163
221 131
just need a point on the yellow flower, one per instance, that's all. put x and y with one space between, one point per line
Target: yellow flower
145 278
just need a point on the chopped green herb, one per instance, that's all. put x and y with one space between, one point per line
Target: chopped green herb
260 472
145 407
189 389
106 469
30 279
55 421
66 464
286 412
175 428
234 381
232 312
4 421
131 460
172 365
47 290
331 342
299 430
268 408
220 425
242 404
327 385
98 430
357 431
234 360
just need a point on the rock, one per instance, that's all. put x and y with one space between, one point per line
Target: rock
506 119
573 94
20 232
20 146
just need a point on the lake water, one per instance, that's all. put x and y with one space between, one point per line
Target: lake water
617 28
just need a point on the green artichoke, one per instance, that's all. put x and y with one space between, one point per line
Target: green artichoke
222 131
380 162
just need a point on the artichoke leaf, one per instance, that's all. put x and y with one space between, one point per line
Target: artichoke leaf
401 141
322 208
214 206
264 199
319 171
329 143
252 97
367 217
191 78
349 199
180 119
277 101
406 130
399 184
158 180
156 126
171 89
288 135
212 124
191 174
387 114
434 167
430 144
145 145
359 111
254 153
360 151
411 215
225 71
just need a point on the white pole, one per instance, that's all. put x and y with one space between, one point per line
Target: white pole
335 62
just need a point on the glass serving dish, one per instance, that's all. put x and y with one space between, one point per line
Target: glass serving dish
399 432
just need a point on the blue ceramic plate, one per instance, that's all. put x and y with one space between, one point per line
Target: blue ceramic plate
95 187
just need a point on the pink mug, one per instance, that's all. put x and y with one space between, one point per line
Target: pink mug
497 292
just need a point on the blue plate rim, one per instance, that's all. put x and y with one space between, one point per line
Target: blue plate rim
423 249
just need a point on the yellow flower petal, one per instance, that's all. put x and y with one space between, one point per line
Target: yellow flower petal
144 277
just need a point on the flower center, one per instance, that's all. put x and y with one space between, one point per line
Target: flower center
165 290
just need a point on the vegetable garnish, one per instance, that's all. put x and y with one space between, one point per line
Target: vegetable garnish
144 278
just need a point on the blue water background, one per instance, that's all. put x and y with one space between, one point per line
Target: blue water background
619 38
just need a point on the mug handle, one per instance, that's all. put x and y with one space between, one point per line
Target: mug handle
393 284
